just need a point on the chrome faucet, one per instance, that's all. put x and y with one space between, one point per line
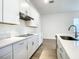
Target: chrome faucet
75 30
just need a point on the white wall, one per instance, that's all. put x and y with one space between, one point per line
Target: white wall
57 23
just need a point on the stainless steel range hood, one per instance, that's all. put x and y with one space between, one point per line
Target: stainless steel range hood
22 16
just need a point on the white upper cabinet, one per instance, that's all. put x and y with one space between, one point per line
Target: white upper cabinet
0 10
11 11
24 7
35 15
27 9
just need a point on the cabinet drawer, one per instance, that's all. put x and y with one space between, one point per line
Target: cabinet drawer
19 45
5 50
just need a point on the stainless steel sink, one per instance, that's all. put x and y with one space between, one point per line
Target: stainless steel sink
25 35
68 38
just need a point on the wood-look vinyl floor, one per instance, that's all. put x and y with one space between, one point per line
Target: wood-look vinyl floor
46 51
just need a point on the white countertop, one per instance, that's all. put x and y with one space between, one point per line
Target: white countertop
71 47
11 40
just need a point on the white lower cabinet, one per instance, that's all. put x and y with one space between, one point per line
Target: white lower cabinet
23 49
40 40
66 55
33 44
20 50
30 43
61 53
6 52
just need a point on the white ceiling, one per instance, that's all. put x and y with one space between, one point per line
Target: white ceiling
56 7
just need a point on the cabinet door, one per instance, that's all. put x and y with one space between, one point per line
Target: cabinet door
34 44
24 7
6 52
20 50
7 56
33 14
66 55
26 49
0 10
11 11
40 39
61 54
30 43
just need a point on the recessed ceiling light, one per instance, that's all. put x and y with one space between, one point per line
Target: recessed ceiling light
46 1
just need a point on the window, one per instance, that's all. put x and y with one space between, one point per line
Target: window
76 22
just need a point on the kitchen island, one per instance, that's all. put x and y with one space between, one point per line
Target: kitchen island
67 49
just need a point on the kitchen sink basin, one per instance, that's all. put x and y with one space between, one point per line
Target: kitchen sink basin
68 38
25 35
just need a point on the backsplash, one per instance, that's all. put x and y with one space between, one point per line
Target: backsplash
14 30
